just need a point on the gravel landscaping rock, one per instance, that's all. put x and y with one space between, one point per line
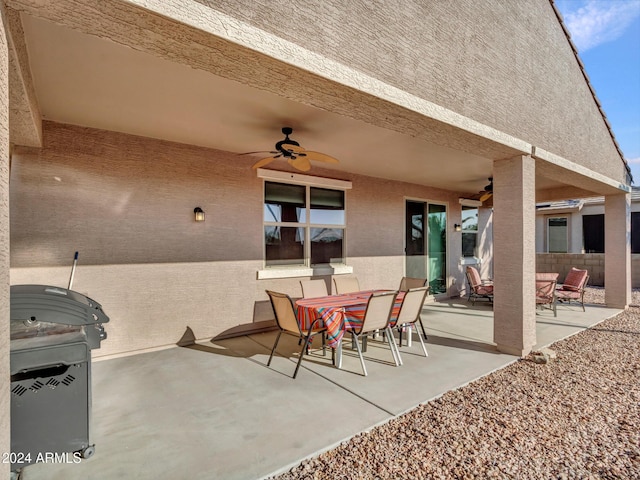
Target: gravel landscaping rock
577 416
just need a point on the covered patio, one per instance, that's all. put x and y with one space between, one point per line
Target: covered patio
214 410
125 117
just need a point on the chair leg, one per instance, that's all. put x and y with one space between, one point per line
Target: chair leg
304 348
394 348
274 347
424 332
424 349
388 333
338 354
357 343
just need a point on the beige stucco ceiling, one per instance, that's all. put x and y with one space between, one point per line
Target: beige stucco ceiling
89 81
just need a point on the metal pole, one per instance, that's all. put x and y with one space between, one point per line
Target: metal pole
73 270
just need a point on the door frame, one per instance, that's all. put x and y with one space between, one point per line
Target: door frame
426 202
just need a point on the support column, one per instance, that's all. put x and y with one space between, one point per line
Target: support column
617 250
514 324
5 422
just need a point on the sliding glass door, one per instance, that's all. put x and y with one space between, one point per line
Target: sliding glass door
426 243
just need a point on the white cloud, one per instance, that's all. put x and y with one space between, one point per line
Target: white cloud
600 21
633 161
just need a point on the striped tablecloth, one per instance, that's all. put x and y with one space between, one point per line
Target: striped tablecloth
339 312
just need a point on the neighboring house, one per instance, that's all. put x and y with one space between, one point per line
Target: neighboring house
573 232
578 226
119 118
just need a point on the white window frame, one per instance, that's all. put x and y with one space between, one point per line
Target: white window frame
306 270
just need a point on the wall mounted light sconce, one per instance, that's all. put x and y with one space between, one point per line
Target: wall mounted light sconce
199 213
457 227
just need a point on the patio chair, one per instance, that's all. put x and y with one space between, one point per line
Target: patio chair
408 283
314 288
410 314
377 316
346 284
477 287
573 287
545 291
288 323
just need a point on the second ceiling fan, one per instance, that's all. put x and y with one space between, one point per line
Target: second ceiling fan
487 193
297 156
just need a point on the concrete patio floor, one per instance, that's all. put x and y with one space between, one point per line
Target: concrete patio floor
215 411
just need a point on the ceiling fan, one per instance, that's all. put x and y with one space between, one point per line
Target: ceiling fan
298 157
487 193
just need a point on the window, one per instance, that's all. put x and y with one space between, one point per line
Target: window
593 233
303 225
635 232
469 231
557 235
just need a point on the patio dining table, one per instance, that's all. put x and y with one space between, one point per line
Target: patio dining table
339 313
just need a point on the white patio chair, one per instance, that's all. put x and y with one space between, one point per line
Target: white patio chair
408 283
288 323
346 284
314 288
377 316
410 314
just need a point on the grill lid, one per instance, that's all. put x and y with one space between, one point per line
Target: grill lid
38 310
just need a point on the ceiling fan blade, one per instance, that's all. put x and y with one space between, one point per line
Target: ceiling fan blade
485 196
259 151
300 163
263 162
321 157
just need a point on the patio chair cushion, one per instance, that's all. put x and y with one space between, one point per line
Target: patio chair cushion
574 280
568 294
473 276
484 290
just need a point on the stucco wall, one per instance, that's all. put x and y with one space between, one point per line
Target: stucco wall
5 423
125 203
505 64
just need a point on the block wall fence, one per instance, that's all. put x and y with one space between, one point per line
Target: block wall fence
594 262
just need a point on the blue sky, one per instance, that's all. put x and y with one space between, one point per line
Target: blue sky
607 35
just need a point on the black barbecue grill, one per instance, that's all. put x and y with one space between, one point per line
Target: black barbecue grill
52 333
